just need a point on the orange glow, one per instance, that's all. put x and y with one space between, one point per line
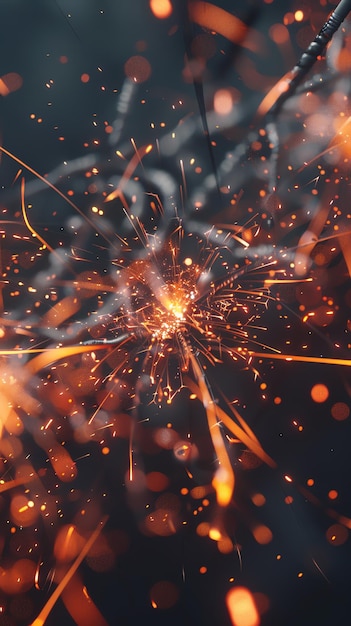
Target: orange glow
68 543
62 464
161 8
242 608
224 479
258 499
164 594
157 481
279 34
61 311
223 101
23 513
80 605
225 545
340 411
215 534
337 534
319 393
203 529
138 69
214 18
10 83
301 359
262 534
17 578
41 618
333 494
272 96
162 522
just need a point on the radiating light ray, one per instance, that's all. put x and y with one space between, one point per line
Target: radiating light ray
243 433
223 480
46 356
301 359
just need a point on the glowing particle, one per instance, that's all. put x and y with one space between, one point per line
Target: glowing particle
333 494
299 16
319 393
85 78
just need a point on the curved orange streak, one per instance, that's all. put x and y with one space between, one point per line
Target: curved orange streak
214 18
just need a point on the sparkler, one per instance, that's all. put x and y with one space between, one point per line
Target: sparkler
110 332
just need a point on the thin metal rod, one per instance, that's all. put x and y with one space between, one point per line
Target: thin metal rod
311 54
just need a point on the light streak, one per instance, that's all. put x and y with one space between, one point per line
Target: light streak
47 608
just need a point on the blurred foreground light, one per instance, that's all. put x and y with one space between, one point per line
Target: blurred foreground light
164 594
161 8
242 608
223 101
9 83
319 393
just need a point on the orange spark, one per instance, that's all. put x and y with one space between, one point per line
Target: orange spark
44 613
135 160
301 359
